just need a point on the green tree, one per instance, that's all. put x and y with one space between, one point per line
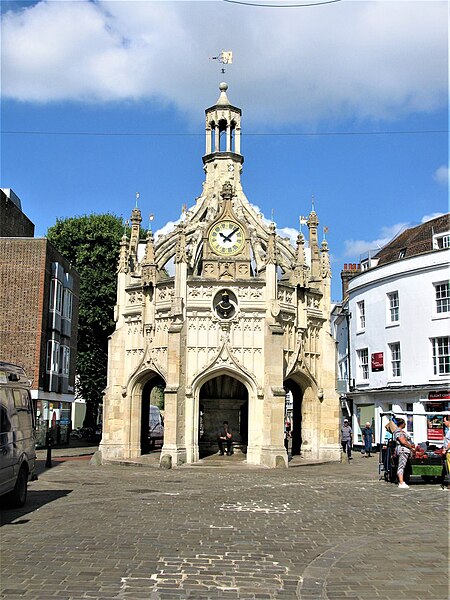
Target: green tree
157 396
91 244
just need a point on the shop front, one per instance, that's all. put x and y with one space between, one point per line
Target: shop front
423 411
52 417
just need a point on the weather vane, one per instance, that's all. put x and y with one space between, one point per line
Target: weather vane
150 219
225 57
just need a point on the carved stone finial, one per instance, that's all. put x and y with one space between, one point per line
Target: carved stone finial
300 270
325 260
300 255
136 219
136 216
122 266
149 256
313 223
271 252
181 255
227 191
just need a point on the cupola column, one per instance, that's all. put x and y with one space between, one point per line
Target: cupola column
208 138
237 140
216 138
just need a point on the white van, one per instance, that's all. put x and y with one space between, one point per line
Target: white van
155 426
17 435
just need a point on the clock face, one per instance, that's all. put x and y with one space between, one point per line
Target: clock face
227 238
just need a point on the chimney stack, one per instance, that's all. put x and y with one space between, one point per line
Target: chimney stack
349 271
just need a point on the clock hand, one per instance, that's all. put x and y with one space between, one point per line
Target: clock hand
226 238
229 236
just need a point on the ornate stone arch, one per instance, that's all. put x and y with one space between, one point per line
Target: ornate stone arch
135 388
193 396
310 411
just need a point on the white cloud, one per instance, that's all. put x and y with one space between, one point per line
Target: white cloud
354 248
290 233
166 229
364 59
426 218
441 174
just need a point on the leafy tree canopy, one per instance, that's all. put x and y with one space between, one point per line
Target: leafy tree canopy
91 244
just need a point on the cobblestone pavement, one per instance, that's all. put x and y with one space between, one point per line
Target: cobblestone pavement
225 530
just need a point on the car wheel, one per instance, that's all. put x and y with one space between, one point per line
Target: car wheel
18 496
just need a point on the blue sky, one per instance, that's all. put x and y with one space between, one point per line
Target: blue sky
318 86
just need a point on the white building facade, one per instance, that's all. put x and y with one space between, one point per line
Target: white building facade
398 310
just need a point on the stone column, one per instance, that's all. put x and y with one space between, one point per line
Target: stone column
174 396
228 146
216 138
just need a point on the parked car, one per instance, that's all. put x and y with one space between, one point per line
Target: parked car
17 435
156 426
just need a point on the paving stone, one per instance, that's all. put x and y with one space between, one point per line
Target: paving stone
325 531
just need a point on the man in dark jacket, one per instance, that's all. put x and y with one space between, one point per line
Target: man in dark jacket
224 436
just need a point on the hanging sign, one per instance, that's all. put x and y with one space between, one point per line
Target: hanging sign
377 361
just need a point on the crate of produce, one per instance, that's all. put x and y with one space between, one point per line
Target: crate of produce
426 463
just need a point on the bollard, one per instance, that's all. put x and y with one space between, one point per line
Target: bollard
48 444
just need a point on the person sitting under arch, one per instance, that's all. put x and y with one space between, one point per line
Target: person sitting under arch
224 436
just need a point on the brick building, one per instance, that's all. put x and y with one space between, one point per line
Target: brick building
13 222
38 316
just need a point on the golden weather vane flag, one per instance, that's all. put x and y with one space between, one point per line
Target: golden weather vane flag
225 57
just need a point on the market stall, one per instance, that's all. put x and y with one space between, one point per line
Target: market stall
426 460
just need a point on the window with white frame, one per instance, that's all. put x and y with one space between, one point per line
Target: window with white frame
442 297
441 241
64 363
52 365
396 367
363 363
56 295
394 307
361 308
441 355
67 304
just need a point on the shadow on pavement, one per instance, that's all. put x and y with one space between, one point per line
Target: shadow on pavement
35 500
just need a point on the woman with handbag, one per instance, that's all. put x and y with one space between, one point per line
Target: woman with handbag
403 449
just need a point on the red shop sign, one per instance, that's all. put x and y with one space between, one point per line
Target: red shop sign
439 395
377 361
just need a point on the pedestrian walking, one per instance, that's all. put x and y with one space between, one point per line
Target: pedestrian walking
347 439
367 435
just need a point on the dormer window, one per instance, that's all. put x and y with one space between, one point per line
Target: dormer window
402 253
441 241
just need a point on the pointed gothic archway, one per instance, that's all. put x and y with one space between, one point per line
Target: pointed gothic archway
151 432
222 398
295 415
